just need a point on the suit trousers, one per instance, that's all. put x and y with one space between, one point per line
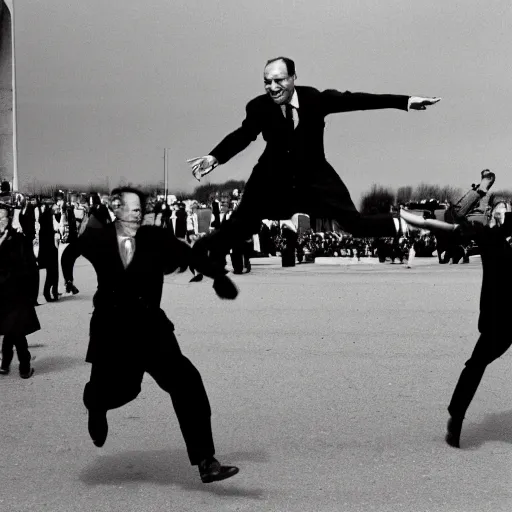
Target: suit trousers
240 255
246 221
489 347
20 342
51 282
113 384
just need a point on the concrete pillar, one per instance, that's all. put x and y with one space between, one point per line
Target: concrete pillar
8 157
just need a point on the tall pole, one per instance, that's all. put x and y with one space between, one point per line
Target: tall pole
165 174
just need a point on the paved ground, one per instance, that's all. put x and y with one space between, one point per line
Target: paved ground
328 385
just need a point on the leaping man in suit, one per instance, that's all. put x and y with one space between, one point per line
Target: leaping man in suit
293 174
130 334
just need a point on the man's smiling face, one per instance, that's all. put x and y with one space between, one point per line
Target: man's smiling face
279 85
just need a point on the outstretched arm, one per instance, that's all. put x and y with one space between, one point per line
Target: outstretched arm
335 101
231 145
180 255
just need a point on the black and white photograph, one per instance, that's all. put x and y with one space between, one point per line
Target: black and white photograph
255 256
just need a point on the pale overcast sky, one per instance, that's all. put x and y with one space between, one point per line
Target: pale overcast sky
104 86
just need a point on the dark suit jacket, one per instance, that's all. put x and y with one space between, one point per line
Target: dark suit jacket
296 164
127 319
18 271
496 253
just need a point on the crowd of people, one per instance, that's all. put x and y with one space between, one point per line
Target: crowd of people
51 223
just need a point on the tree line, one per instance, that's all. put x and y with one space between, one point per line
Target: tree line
378 199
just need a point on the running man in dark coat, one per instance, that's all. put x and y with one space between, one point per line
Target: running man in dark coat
494 242
130 334
292 175
18 316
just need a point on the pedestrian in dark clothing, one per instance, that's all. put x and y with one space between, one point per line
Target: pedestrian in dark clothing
18 316
48 256
181 222
27 221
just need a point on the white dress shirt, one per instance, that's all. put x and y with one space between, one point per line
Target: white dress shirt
126 248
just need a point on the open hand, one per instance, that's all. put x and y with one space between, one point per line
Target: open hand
421 103
202 165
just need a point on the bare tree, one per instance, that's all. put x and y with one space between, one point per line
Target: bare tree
404 194
378 200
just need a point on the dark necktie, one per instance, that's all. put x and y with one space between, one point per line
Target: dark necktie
289 118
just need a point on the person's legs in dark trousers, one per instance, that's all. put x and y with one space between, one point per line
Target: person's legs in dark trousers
7 353
176 375
248 249
337 205
50 290
240 256
112 384
37 283
19 342
489 347
237 259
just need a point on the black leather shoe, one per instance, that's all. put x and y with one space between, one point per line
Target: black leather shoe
225 288
98 426
4 371
453 430
71 288
211 470
27 374
49 298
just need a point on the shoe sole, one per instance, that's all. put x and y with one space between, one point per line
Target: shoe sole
219 477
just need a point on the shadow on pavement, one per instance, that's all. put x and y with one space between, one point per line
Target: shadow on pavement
67 297
495 427
52 364
166 467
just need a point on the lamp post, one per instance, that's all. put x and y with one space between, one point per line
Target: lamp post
166 173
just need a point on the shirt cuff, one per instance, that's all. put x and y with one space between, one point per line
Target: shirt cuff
409 103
